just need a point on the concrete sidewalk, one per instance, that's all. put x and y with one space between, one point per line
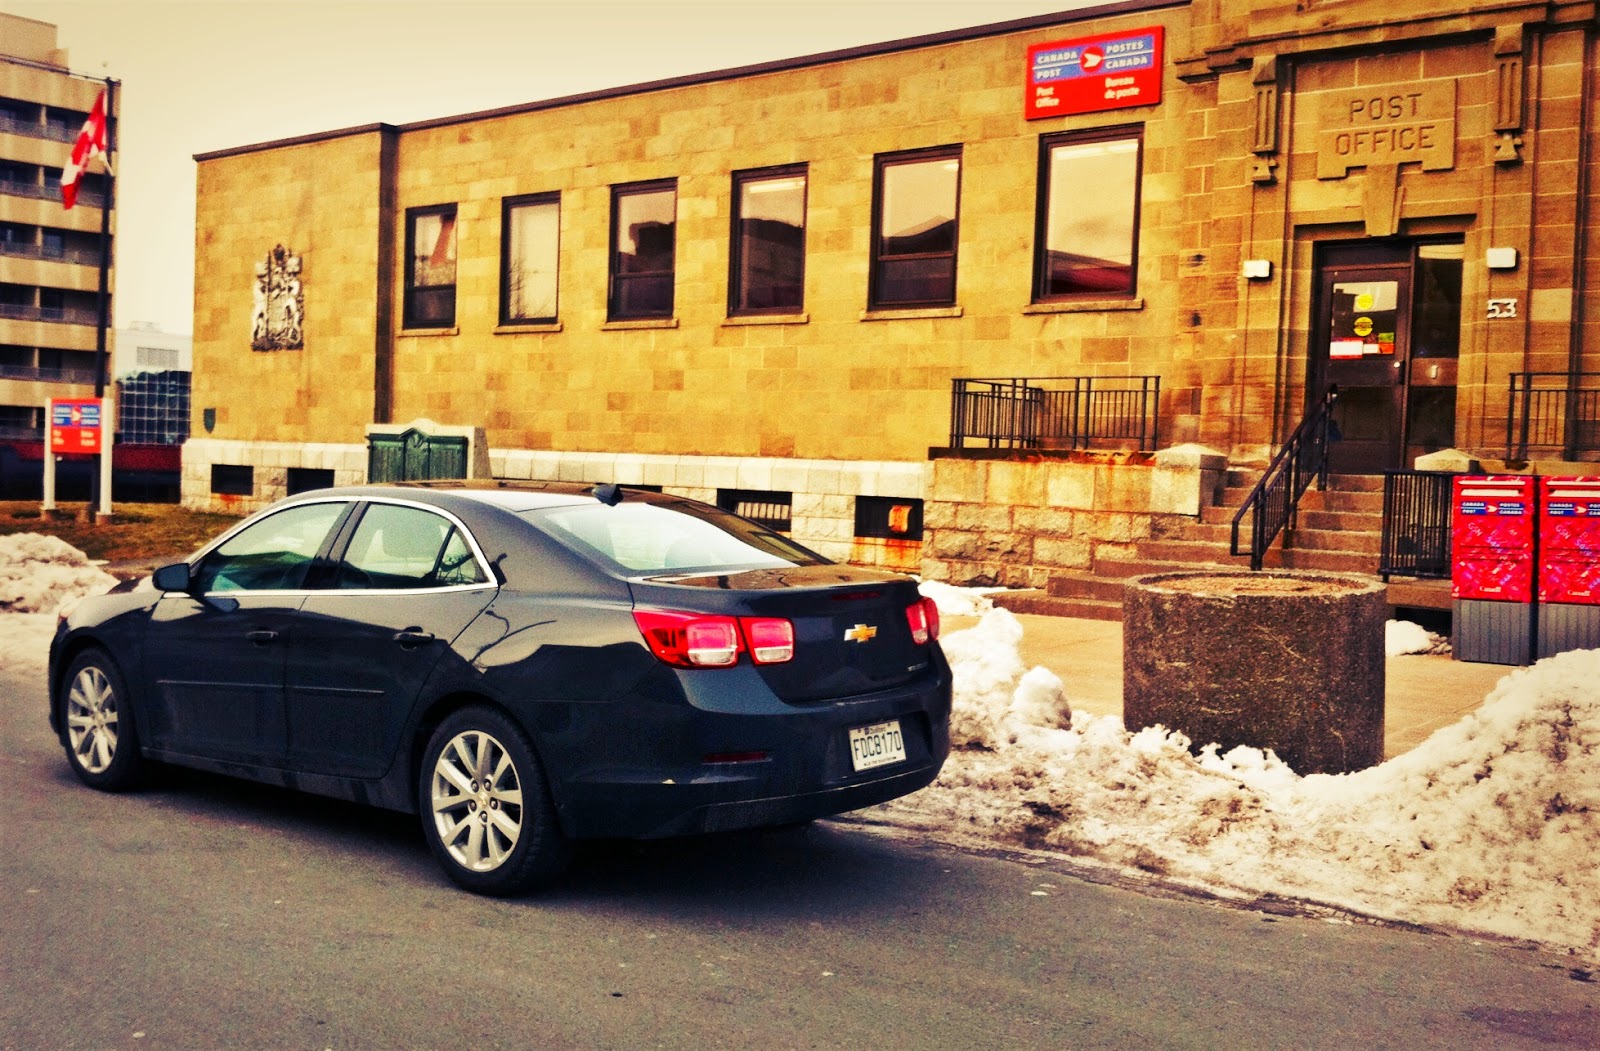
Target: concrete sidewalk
1422 692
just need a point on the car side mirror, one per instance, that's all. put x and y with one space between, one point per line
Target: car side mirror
171 578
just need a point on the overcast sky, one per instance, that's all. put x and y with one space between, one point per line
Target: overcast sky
201 75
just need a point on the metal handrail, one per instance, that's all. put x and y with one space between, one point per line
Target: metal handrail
1072 412
1274 501
1553 411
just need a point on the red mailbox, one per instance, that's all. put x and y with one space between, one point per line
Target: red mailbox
1569 540
1492 538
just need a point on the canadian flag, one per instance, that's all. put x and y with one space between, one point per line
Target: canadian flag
91 143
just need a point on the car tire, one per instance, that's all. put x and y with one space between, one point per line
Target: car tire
102 737
486 808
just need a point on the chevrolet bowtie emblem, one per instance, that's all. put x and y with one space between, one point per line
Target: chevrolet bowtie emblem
860 633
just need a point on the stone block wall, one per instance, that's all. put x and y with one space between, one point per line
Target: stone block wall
1013 524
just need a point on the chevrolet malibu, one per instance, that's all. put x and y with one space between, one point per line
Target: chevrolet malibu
522 665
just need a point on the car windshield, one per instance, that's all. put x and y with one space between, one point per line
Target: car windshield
665 538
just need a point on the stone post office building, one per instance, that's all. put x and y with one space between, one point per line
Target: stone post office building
767 285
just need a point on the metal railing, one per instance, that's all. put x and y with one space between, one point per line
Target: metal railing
1272 504
1416 524
34 129
52 192
1553 412
68 315
1056 412
50 253
46 375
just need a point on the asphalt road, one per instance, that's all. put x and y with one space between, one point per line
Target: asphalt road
202 913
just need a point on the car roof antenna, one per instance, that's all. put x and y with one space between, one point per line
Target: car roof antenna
609 494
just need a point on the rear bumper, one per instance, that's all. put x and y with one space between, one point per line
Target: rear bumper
805 773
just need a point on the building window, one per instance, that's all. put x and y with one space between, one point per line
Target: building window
304 479
644 224
431 267
767 257
530 251
764 507
889 517
1087 240
915 205
229 479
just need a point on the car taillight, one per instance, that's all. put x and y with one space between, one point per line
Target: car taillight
771 639
699 640
924 620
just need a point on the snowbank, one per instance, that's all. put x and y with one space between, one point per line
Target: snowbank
1492 824
1401 637
39 573
957 602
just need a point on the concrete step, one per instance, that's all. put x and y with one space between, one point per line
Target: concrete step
1308 518
1038 602
1355 534
1317 500
1081 584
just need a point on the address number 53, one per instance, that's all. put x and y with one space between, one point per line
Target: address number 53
1502 308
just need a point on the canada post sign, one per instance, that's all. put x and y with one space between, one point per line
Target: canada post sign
1110 71
75 425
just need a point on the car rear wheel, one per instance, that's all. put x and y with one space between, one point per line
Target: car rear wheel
102 741
486 809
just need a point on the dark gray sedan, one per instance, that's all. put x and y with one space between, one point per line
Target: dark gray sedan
521 664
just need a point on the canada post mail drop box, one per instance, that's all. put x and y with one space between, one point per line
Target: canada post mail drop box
1569 540
1492 526
1492 537
1569 565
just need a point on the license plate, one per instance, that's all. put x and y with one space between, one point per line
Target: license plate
877 745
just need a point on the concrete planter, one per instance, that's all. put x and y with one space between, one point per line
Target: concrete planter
1290 661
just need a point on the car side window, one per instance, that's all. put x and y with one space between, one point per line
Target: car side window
271 555
407 547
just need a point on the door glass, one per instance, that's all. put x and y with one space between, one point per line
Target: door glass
1363 321
1437 331
407 547
271 555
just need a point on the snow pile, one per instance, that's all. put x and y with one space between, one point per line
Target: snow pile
39 573
957 602
1401 637
1492 824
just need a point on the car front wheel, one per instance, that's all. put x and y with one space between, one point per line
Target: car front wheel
486 810
102 741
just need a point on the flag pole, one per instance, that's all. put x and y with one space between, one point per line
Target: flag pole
100 481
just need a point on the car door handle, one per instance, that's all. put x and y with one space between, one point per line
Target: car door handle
262 637
411 638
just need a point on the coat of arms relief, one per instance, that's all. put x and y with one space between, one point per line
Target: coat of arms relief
279 303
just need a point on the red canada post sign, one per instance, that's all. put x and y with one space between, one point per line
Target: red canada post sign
75 425
1110 71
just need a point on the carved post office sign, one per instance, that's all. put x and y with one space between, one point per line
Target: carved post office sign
1387 124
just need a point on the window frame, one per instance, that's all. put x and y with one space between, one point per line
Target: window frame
738 289
410 313
1043 197
617 281
881 164
508 206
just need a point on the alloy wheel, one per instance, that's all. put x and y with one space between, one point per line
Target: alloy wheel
476 796
92 720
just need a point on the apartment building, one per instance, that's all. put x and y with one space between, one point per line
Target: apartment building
50 256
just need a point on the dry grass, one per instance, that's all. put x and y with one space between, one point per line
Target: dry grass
133 531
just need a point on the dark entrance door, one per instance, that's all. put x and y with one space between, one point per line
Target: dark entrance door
1387 332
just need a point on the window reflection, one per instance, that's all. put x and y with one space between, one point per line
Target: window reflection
914 238
643 244
768 259
1088 240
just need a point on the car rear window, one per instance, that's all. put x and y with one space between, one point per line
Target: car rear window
667 538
